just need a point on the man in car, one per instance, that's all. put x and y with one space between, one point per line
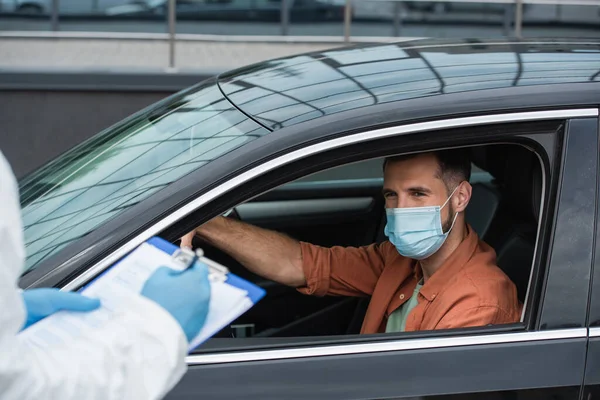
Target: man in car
433 273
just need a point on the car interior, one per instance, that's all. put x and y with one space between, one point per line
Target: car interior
344 206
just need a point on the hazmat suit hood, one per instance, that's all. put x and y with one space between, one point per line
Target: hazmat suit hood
12 252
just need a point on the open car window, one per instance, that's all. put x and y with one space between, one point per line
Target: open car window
343 206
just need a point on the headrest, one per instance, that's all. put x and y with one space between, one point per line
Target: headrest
522 182
491 159
482 208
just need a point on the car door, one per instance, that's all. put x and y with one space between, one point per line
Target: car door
546 359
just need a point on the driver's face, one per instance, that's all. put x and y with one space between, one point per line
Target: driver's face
415 182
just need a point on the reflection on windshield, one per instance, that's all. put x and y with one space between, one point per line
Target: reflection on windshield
118 168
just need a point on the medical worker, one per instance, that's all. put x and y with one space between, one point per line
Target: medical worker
138 355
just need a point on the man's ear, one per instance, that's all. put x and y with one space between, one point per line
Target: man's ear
462 196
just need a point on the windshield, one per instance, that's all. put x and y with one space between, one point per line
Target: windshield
116 169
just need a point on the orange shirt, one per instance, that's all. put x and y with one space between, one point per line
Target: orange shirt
467 290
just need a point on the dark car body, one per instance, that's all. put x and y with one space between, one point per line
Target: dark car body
536 101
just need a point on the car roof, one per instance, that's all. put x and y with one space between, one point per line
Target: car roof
300 88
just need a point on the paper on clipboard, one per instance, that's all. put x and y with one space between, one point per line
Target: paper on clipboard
122 283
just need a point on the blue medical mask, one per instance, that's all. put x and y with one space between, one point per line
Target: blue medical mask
417 231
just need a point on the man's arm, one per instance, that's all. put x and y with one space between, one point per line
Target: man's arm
269 254
315 270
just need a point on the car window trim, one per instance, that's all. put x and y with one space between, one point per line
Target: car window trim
387 346
532 271
594 332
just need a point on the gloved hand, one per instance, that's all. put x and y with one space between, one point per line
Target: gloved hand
184 294
43 302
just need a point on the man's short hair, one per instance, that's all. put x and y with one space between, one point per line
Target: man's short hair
454 165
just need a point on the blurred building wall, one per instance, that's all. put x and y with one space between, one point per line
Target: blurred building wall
39 122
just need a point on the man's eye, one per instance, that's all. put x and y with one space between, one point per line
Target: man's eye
389 194
418 194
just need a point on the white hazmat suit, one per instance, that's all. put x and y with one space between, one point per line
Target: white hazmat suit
138 355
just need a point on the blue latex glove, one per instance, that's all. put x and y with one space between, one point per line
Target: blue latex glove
43 302
184 294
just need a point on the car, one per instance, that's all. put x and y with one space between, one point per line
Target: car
296 144
27 7
235 10
65 7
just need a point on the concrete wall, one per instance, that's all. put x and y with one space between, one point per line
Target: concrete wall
42 115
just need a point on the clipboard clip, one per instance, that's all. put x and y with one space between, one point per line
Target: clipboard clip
187 257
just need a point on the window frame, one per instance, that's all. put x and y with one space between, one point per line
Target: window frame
387 343
528 321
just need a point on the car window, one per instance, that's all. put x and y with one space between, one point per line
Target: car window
345 209
120 167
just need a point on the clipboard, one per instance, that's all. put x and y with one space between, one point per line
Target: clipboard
255 293
217 274
231 296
